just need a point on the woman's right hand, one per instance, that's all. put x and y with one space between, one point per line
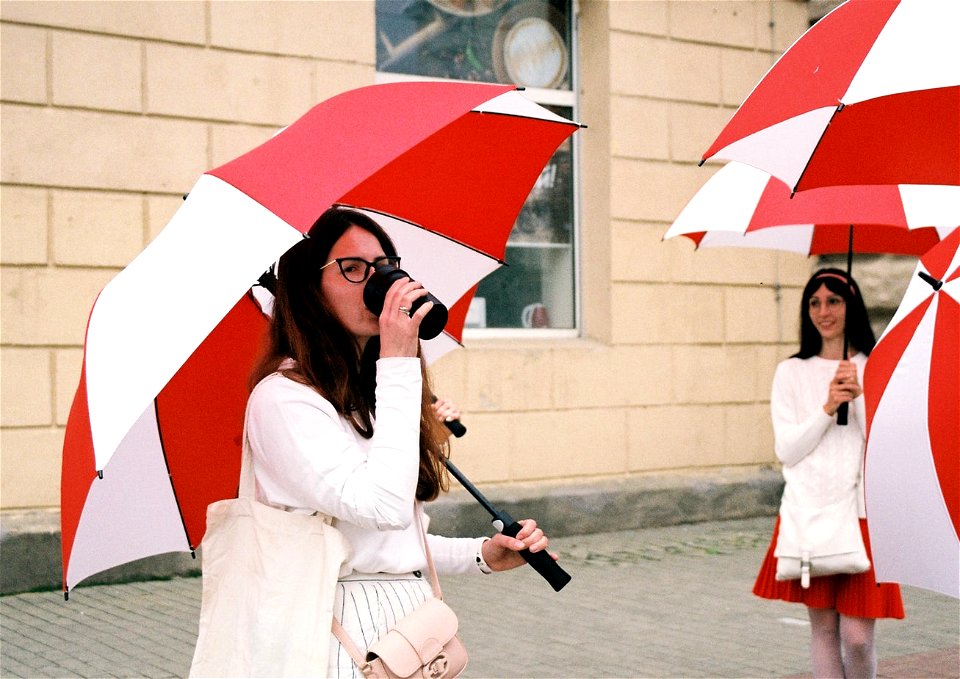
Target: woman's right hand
844 387
398 328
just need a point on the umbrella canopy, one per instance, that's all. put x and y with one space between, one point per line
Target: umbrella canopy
444 166
741 206
868 95
912 390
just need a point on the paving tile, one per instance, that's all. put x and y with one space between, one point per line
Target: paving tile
660 602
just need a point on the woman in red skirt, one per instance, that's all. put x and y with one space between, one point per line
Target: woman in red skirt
824 461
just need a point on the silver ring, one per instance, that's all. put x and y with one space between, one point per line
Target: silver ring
404 310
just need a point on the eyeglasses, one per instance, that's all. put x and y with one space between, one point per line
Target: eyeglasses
357 270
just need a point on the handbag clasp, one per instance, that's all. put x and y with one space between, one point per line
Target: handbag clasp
438 667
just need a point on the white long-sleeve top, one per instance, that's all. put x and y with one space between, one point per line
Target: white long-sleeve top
307 458
822 461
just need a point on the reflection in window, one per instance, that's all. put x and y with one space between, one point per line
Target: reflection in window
528 43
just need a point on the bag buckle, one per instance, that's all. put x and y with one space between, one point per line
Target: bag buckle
437 667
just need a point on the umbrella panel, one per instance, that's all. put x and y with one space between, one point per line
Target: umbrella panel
351 136
200 414
944 373
870 142
427 186
746 207
825 239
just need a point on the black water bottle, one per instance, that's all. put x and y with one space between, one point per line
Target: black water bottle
375 291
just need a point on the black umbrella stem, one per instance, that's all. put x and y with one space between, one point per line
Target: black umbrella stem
542 562
844 409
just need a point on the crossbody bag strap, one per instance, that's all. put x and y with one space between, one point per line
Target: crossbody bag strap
434 580
247 487
341 634
347 643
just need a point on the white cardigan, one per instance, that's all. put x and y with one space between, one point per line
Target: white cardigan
307 458
822 461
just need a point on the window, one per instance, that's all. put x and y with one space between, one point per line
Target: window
527 42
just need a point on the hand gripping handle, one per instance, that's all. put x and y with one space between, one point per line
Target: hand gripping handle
542 562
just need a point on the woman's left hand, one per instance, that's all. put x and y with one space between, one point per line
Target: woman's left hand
501 552
446 411
844 387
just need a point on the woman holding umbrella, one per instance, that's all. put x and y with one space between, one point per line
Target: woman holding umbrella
340 422
822 460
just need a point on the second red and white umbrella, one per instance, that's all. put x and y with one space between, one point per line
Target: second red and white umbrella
912 391
741 206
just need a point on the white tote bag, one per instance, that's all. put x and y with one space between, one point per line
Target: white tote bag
269 579
815 541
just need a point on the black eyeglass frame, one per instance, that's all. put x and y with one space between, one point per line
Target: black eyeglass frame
391 260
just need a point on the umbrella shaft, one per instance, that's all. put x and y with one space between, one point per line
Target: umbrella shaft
465 482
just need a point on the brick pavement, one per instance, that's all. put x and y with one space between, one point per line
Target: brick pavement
659 602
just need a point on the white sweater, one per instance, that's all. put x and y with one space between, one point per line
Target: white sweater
822 460
307 458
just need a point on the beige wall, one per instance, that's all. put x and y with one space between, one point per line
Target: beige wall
111 110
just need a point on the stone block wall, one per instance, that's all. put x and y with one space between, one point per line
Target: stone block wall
111 110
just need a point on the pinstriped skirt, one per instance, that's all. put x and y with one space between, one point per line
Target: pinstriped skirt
367 606
852 595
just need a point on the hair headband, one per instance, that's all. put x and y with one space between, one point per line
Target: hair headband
839 277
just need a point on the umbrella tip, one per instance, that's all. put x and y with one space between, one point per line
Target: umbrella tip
99 473
702 161
935 283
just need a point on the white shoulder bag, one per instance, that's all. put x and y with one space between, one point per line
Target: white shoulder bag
823 540
269 581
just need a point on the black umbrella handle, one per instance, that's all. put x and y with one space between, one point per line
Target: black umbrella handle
456 428
843 410
541 562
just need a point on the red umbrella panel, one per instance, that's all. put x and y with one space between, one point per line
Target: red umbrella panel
741 206
870 94
445 167
912 391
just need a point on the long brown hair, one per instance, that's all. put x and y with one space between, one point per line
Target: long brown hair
328 356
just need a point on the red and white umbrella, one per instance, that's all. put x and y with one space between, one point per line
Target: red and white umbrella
155 429
741 206
912 391
870 94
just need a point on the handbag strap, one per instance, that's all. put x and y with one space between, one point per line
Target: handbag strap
247 483
341 634
434 580
349 646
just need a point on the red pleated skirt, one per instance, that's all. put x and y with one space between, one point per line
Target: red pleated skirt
851 595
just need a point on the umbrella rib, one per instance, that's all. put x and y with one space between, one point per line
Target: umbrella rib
173 488
806 165
579 126
423 228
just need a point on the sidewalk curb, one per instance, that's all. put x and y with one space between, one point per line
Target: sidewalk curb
30 539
